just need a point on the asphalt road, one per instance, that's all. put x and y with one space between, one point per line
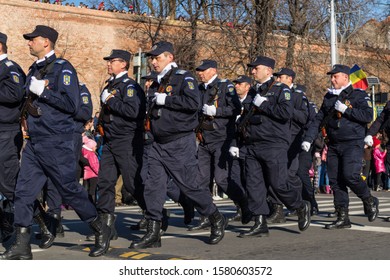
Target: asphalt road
364 241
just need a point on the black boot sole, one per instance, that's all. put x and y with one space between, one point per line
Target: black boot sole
156 244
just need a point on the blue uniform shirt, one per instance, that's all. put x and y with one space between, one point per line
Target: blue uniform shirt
270 123
84 113
11 94
352 124
228 107
125 112
179 116
58 102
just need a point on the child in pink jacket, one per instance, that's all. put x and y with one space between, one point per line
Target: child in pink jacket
379 155
91 170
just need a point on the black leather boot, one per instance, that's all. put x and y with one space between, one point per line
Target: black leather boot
102 236
342 219
277 216
304 216
6 225
371 205
237 216
218 225
110 221
164 221
48 228
204 223
259 229
60 232
21 248
151 239
142 224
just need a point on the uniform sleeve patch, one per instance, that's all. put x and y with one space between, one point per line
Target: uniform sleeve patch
191 85
287 95
231 89
67 71
85 100
15 78
369 103
130 92
67 79
181 72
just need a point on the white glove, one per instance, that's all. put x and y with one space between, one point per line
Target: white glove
160 98
209 110
305 146
259 100
341 107
234 152
105 95
368 141
37 86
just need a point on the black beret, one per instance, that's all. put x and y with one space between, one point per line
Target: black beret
206 64
125 55
263 60
339 68
43 31
159 48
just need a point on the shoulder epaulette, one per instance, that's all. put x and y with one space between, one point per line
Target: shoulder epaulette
125 80
278 84
9 63
60 61
81 84
181 72
223 80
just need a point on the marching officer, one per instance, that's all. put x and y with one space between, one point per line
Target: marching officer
50 221
306 158
243 86
12 80
265 129
299 118
123 112
345 113
216 130
53 99
174 116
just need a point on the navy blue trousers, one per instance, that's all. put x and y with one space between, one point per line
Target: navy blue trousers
177 160
52 159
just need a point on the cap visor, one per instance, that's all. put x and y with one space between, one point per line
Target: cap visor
29 36
330 73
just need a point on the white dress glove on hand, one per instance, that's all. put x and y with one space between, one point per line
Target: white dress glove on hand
234 152
305 146
341 107
105 95
160 98
209 110
258 100
368 141
37 86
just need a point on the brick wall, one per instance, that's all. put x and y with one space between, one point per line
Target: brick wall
86 36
